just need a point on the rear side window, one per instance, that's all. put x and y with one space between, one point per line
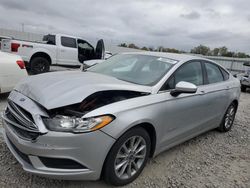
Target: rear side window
50 39
68 42
214 73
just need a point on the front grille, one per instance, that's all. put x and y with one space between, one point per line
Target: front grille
22 116
26 135
21 121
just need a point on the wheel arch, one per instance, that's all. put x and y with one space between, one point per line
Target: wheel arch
152 134
236 102
41 54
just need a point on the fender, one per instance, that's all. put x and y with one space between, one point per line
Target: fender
51 53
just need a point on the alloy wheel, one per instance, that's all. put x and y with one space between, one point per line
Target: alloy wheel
130 157
229 119
40 66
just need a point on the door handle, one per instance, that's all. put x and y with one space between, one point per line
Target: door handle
62 50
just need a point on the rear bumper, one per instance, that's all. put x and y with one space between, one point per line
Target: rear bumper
89 150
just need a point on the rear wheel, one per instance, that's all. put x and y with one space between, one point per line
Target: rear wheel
243 88
39 65
127 157
228 119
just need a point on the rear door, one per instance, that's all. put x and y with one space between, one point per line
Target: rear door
67 52
216 90
100 50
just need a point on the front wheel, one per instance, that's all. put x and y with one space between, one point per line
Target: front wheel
127 157
228 118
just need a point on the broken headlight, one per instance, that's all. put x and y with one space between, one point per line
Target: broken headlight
74 124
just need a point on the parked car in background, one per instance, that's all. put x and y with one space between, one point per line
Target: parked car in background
1 38
110 119
245 78
54 50
12 70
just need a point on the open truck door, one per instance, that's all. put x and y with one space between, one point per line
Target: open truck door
100 50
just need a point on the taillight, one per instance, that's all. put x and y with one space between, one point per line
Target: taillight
14 47
21 64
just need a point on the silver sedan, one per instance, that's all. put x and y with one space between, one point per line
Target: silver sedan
110 119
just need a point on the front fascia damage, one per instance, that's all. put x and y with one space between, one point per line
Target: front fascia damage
94 101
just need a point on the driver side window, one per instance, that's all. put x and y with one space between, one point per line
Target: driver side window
189 72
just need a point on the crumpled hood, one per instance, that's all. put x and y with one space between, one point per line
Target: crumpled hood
58 89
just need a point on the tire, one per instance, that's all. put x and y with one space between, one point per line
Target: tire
39 65
27 66
111 175
228 118
243 88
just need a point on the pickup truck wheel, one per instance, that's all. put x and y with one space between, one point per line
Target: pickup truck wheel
39 65
243 88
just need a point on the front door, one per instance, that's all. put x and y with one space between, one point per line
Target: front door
183 117
100 50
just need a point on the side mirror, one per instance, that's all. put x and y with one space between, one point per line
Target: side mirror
183 87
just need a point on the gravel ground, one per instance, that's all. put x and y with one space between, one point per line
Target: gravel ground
211 160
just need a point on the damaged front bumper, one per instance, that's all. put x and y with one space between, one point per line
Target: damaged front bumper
57 155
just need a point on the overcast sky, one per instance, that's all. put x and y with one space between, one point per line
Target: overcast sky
170 23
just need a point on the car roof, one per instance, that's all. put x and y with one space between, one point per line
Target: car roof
174 56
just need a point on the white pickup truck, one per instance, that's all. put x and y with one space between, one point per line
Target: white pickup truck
54 50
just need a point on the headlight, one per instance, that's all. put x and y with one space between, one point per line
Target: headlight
74 124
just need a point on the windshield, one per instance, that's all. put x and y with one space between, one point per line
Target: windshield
138 69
